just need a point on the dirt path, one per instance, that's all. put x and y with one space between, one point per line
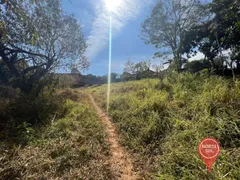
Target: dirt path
120 162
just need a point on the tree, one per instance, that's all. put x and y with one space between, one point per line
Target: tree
127 77
197 66
115 77
138 71
4 73
103 79
158 69
217 34
143 69
37 37
129 67
142 66
66 81
169 21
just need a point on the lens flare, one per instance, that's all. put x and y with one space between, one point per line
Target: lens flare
112 5
109 63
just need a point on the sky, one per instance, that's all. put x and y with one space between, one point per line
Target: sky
127 17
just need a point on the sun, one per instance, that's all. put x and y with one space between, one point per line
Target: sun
112 5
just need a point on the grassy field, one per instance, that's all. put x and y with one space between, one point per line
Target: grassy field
161 123
73 147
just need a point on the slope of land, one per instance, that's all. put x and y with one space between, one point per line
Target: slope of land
120 161
161 123
73 147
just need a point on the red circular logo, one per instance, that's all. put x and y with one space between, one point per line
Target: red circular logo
209 149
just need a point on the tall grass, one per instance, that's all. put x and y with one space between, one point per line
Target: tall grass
72 147
162 122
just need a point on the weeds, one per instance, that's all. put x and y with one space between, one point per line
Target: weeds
162 122
73 147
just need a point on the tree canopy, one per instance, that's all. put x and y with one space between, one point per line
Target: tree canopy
220 32
180 28
37 37
168 23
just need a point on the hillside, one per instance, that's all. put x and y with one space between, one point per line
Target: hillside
73 146
151 132
150 79
161 123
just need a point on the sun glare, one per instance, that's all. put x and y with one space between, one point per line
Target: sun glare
112 5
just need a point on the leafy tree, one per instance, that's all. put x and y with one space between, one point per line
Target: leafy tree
66 81
159 69
197 66
37 37
91 79
129 67
218 33
167 24
138 71
127 76
103 79
4 73
142 66
115 77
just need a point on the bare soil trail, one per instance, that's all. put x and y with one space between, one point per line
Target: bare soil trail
120 161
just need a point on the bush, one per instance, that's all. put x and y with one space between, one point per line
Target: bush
7 93
25 133
26 111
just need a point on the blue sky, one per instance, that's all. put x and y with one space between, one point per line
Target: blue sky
93 15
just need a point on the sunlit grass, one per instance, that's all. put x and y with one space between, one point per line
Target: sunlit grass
73 147
162 122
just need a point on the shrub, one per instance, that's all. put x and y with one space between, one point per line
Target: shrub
7 92
28 111
25 133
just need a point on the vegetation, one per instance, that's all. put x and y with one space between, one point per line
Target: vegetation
197 66
72 147
35 38
137 71
162 122
48 131
214 35
168 23
192 27
44 133
91 79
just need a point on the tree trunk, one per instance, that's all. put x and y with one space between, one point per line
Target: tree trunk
233 73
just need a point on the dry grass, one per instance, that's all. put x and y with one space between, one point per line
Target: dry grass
73 147
162 122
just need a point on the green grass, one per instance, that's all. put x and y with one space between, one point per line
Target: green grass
73 147
162 122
